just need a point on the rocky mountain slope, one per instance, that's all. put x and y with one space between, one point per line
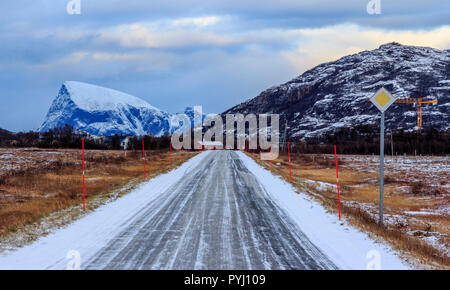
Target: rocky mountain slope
334 94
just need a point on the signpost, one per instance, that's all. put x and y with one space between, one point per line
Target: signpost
84 183
382 99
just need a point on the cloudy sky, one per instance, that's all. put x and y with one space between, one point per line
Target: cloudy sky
176 53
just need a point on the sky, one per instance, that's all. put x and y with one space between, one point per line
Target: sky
179 53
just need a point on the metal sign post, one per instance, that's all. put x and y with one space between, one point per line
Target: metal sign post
382 99
381 166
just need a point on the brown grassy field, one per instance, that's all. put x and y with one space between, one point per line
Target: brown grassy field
35 183
416 198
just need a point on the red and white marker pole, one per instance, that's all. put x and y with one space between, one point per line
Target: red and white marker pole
337 181
84 183
289 155
270 157
170 146
143 154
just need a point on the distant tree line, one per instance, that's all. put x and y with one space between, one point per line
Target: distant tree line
150 142
67 137
366 140
357 140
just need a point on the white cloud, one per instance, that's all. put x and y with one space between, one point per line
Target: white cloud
297 49
315 46
150 35
343 38
196 21
70 59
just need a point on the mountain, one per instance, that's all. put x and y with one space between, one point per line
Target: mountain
192 114
104 112
334 95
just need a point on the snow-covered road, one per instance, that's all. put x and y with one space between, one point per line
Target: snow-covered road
219 210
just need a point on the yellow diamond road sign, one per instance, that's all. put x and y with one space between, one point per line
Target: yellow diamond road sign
382 99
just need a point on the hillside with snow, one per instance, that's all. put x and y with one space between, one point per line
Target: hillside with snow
334 95
104 112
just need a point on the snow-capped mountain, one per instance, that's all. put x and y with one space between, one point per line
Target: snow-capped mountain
104 112
334 95
192 114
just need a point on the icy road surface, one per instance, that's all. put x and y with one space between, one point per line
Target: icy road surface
216 217
219 210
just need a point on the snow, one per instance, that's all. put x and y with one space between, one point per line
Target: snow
347 246
95 98
90 233
419 213
102 111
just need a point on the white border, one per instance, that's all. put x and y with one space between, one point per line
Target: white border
388 104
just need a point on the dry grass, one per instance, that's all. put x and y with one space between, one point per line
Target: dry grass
29 192
406 192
